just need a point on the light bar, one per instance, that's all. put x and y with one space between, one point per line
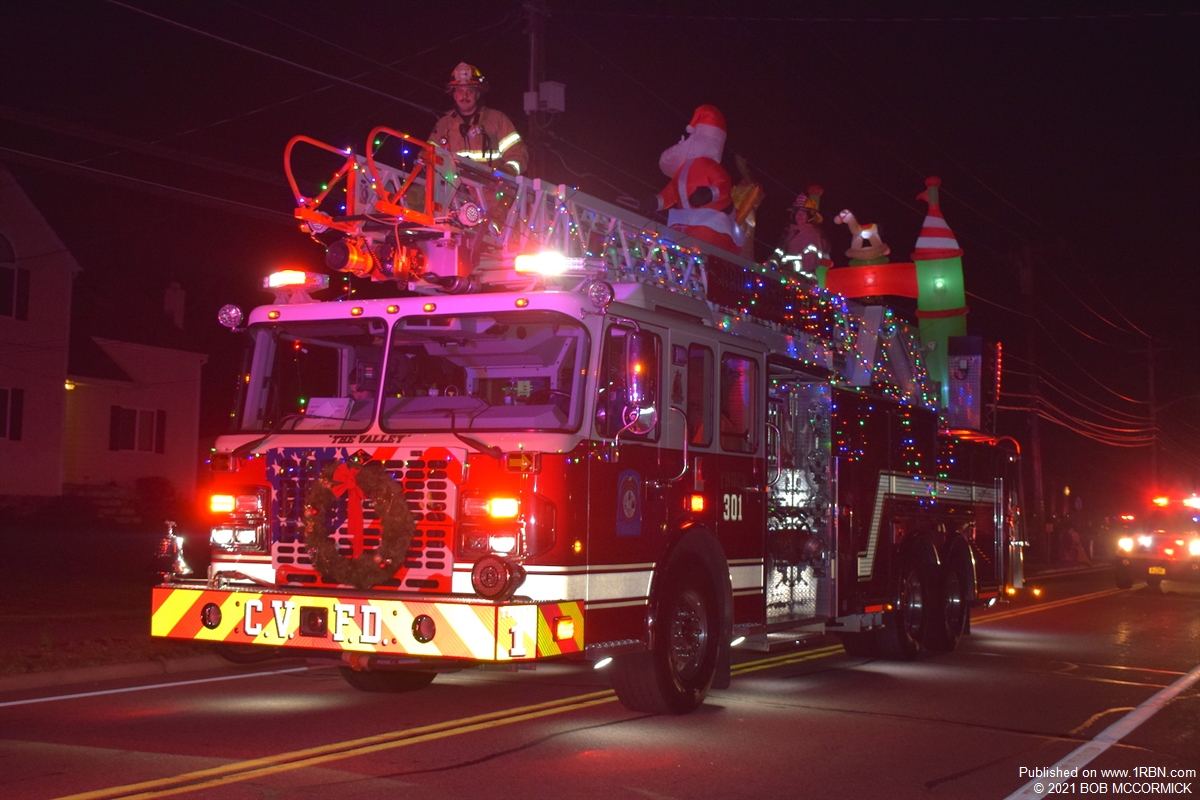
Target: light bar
293 285
549 263
295 277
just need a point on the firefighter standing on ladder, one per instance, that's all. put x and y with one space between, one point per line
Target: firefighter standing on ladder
473 131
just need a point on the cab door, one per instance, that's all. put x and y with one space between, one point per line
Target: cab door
633 420
740 478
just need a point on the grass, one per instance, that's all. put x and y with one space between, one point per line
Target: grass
70 598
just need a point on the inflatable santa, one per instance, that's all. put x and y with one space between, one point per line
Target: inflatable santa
698 200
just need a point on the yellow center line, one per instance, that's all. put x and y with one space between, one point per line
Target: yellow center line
323 754
1020 612
790 658
227 773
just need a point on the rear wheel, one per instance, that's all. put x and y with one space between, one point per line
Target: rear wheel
949 611
387 680
675 675
906 626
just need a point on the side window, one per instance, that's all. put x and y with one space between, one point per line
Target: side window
14 284
614 391
739 403
699 395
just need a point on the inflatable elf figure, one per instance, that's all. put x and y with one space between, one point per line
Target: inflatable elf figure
941 301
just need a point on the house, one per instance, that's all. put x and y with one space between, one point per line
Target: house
106 397
36 272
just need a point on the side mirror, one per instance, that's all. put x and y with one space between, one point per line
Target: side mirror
641 365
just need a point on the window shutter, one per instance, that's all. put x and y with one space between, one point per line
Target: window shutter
22 302
114 428
8 276
16 406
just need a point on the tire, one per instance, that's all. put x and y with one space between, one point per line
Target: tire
950 610
245 653
395 680
1124 576
675 675
906 627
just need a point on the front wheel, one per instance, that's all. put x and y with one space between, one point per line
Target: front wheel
1124 576
387 680
675 675
245 653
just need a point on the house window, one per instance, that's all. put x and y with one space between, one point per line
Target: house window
137 429
12 413
14 285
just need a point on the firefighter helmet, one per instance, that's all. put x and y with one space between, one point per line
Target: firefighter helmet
467 75
810 201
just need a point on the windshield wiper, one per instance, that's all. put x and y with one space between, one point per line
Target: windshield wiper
491 449
243 450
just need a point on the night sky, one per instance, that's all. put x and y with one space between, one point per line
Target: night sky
151 136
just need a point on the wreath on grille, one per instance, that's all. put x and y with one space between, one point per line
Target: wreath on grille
355 481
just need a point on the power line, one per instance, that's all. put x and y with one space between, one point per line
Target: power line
273 57
126 181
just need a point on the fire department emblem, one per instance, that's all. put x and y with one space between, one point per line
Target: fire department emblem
629 504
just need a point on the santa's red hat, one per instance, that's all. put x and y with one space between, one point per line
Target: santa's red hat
707 115
936 239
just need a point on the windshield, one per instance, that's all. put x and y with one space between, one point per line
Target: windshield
312 375
514 370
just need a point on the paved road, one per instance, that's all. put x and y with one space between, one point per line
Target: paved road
1035 683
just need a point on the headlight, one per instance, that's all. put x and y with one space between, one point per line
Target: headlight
236 537
1125 543
1145 541
502 544
1194 547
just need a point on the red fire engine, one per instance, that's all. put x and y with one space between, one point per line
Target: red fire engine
550 428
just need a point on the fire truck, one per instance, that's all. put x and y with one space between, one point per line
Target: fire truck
546 427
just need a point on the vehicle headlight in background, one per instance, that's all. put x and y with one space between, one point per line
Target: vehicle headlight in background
1125 543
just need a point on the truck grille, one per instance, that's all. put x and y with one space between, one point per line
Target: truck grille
431 497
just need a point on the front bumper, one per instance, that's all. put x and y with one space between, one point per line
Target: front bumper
1141 567
467 629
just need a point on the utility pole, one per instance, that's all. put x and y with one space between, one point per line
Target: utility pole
535 12
1039 527
1153 421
